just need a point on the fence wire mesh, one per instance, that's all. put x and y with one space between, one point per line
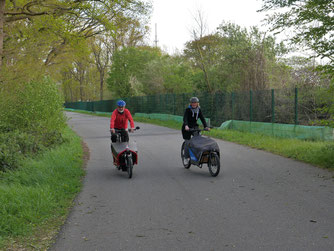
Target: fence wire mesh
286 106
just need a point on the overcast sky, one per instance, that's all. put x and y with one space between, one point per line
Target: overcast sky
175 18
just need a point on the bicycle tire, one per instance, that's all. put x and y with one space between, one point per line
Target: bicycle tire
186 165
214 164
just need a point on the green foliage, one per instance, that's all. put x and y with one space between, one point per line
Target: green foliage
47 39
128 69
236 58
328 108
9 152
40 192
175 75
31 118
34 107
311 21
314 152
16 145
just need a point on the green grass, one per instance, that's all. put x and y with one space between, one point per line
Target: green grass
36 197
318 153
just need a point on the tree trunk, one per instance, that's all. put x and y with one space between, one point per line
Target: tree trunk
2 21
204 69
101 84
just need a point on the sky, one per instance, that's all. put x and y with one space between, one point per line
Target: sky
175 18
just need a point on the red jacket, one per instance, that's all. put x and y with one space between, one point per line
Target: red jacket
120 120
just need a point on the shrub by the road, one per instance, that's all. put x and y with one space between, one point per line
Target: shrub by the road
31 119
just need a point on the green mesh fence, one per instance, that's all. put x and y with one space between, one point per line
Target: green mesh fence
281 130
286 106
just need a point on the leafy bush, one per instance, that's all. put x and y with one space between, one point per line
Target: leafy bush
9 156
14 146
329 108
31 118
325 155
35 107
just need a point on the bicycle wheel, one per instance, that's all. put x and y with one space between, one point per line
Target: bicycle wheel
185 161
129 167
214 164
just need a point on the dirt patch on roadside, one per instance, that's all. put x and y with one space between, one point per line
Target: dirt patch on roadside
86 154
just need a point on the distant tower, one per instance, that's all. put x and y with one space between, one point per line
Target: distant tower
156 36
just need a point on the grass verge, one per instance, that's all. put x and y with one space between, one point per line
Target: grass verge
35 198
318 153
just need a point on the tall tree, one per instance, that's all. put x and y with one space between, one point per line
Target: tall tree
71 19
2 20
235 58
128 69
198 32
102 51
312 22
203 52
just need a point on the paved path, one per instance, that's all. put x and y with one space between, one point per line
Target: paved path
259 201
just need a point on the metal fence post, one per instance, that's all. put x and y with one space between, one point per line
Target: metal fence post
232 105
250 105
296 106
174 103
141 103
272 106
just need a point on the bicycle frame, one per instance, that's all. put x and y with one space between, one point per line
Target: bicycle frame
122 150
120 156
209 154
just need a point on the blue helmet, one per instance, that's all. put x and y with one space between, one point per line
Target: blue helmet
121 103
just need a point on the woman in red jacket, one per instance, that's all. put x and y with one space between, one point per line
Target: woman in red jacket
119 120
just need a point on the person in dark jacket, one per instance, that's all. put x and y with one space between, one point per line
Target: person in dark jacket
192 113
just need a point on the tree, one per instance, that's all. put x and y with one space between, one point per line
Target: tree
2 20
313 25
128 68
167 74
102 51
312 22
177 75
234 59
248 56
68 20
198 33
203 54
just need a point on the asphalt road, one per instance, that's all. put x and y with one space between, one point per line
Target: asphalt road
259 201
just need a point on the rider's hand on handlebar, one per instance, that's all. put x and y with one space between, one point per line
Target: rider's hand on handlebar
132 130
186 128
207 128
112 130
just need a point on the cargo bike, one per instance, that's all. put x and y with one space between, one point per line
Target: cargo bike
125 154
201 150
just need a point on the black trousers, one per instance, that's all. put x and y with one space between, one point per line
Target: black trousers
186 134
124 136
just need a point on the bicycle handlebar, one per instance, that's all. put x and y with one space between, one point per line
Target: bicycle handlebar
198 130
122 130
